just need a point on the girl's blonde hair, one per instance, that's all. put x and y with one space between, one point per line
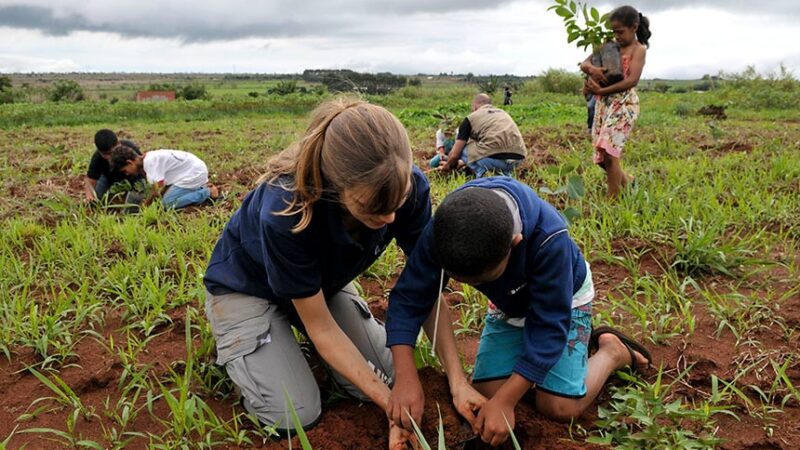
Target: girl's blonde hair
348 144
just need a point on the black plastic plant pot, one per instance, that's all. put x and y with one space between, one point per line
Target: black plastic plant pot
608 57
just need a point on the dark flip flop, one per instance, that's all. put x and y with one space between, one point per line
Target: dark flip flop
629 343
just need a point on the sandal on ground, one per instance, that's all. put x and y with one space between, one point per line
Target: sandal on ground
629 343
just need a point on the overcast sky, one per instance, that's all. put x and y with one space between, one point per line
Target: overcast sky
690 38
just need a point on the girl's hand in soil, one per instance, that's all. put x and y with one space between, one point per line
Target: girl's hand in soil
467 401
400 439
406 396
491 422
406 399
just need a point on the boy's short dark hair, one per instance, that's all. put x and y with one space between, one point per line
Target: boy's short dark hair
105 140
120 155
472 230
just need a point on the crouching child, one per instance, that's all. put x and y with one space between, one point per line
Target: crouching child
498 236
179 177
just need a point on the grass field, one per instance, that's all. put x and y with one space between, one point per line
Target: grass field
104 343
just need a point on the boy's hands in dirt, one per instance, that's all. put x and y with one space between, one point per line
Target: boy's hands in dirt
467 402
406 398
400 439
491 422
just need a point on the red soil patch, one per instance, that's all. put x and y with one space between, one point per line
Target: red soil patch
348 424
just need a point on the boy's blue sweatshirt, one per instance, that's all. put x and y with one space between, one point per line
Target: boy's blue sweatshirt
544 271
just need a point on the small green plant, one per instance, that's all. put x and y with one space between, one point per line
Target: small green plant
683 109
642 416
572 185
594 32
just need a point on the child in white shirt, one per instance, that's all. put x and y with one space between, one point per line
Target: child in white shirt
180 176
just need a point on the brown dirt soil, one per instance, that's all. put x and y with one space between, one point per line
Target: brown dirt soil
347 424
722 148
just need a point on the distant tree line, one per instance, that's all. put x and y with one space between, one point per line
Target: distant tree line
352 81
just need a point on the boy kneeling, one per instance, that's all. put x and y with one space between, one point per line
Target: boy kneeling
498 236
181 177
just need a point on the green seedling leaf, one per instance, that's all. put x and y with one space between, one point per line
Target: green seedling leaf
575 188
298 427
572 214
420 437
563 12
510 433
441 429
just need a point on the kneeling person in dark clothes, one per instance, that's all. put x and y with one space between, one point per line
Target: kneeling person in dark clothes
100 176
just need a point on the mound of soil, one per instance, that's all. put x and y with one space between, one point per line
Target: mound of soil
721 148
350 425
717 112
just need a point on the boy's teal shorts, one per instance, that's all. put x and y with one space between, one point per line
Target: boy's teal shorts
501 345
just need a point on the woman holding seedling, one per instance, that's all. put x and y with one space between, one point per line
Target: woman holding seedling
323 212
617 104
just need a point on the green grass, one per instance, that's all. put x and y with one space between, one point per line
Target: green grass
722 224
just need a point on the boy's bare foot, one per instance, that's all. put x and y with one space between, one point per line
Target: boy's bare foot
613 343
214 191
625 350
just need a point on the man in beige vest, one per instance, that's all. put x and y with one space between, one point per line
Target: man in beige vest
488 141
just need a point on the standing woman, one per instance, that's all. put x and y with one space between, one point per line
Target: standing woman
324 211
617 106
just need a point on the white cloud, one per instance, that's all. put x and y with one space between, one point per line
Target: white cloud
16 64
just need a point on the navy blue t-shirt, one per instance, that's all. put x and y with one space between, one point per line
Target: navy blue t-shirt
259 255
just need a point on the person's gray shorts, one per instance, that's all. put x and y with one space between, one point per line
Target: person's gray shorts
256 345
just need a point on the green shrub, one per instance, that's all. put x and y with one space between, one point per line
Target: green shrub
194 91
66 91
560 81
5 83
284 87
660 87
488 84
410 92
750 89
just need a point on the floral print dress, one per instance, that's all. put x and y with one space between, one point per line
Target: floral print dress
614 117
